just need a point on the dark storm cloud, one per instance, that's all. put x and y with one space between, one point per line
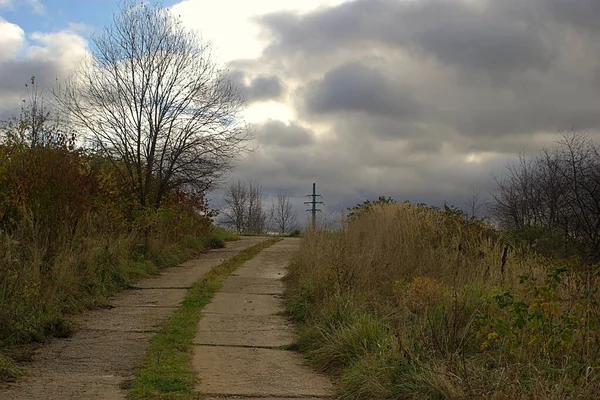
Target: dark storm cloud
452 31
357 88
530 118
505 35
425 99
501 67
579 13
347 173
261 88
350 23
380 128
277 133
484 46
265 88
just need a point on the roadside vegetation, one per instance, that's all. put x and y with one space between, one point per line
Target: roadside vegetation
413 302
71 235
104 182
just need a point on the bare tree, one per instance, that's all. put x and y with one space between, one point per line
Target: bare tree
151 99
256 217
283 216
36 125
243 207
474 204
558 190
234 212
514 196
579 170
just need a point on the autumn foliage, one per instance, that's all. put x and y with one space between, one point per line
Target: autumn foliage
71 231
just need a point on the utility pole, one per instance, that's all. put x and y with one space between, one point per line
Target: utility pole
314 203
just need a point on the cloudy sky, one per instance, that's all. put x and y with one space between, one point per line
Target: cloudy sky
414 99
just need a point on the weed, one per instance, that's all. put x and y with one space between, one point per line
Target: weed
8 370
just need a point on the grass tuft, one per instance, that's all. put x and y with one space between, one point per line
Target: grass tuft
165 371
8 370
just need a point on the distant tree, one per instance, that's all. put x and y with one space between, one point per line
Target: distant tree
235 200
558 190
256 221
514 199
152 100
283 217
243 207
474 204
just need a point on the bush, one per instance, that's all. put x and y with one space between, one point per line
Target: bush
211 242
69 238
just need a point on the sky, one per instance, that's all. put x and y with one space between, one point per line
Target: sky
421 100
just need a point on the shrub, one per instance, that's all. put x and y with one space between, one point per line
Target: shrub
69 238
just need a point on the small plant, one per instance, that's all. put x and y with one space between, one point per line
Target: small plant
8 370
545 323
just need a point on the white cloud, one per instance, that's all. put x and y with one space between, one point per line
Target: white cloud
12 39
64 47
229 23
47 56
230 26
79 27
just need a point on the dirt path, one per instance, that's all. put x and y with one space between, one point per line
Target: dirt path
238 348
110 343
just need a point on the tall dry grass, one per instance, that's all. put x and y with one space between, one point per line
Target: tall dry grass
411 302
47 276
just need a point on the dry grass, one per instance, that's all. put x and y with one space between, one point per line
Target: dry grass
410 302
45 278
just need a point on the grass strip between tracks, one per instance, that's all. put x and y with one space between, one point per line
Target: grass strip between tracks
165 372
